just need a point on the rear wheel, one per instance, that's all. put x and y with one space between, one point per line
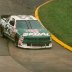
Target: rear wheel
2 32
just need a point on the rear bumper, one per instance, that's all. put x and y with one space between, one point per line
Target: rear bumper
34 47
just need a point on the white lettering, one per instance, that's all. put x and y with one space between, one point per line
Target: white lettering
35 34
25 34
30 34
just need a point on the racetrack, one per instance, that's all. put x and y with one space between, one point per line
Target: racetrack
56 59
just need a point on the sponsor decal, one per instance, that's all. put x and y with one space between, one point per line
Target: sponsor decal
32 30
35 34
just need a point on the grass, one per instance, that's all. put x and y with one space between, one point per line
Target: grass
56 16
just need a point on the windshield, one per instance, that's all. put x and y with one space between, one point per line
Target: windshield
28 24
21 24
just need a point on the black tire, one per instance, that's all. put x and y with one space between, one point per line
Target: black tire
16 40
2 32
0 28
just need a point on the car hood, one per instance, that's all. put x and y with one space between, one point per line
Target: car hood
33 32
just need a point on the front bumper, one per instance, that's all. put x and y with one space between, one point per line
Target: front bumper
34 47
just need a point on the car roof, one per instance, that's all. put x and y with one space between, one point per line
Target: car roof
23 17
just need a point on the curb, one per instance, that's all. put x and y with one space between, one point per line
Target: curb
53 36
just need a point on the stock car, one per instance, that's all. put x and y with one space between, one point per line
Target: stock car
26 31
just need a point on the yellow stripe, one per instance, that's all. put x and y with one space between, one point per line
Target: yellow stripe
53 36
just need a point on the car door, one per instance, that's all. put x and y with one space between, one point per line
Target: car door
6 29
10 29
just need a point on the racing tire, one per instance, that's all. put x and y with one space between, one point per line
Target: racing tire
2 32
16 40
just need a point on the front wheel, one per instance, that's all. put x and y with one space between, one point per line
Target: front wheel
16 40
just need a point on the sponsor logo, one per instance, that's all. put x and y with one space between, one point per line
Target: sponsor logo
32 30
35 34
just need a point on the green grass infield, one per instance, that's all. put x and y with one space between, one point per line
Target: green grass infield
56 16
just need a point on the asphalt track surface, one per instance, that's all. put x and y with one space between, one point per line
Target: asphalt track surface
14 59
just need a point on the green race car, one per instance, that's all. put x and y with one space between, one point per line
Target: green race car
26 31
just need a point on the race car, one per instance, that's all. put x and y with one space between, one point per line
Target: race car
26 31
